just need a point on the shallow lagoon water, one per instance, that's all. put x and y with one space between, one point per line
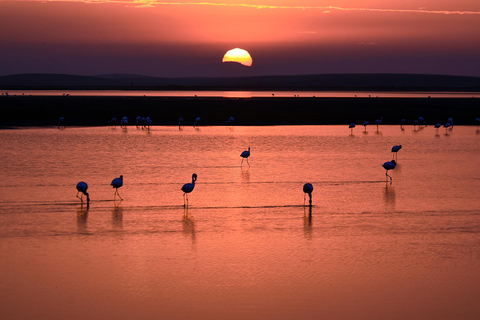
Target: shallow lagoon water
245 247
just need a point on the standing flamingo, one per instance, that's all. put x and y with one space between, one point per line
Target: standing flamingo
82 187
307 188
395 150
117 183
402 122
180 121
124 122
61 123
245 154
389 165
196 120
351 126
378 122
187 188
365 124
230 120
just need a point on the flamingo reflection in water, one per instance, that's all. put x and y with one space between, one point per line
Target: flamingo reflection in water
307 189
187 188
82 187
117 183
389 165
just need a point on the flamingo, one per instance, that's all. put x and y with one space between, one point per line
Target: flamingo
395 150
230 120
415 124
245 154
61 124
307 188
438 125
137 122
196 120
365 124
402 122
422 121
450 120
378 122
112 121
180 120
82 187
389 165
351 126
148 122
187 188
117 183
124 122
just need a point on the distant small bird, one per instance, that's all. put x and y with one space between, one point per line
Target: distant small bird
415 124
351 126
82 187
138 121
389 165
187 188
307 188
450 120
245 154
148 122
422 121
117 183
196 120
61 123
180 121
378 122
112 121
230 120
395 150
365 124
124 122
402 122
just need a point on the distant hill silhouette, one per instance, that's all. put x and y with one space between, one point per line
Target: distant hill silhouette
288 82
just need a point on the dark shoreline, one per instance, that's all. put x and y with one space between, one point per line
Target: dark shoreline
98 110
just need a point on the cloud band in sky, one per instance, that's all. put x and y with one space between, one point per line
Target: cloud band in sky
325 9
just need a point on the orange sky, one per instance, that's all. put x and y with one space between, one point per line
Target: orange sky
165 38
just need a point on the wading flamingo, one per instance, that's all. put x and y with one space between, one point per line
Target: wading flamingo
82 187
117 183
187 188
245 154
307 188
389 165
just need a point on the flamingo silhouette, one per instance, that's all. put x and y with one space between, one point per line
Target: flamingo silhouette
82 187
124 122
378 122
395 150
187 188
61 123
245 154
402 122
351 126
365 124
196 120
117 183
307 188
389 165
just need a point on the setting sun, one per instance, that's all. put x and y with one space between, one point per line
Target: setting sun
238 55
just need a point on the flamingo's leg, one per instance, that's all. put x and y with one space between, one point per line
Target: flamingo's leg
248 162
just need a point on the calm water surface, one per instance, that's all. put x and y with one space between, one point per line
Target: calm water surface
246 247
